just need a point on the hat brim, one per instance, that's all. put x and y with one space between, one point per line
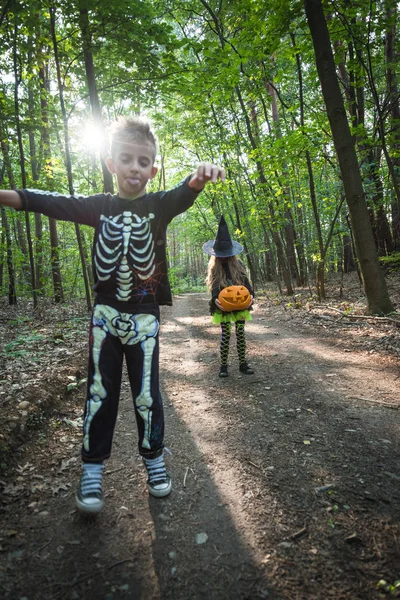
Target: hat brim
236 248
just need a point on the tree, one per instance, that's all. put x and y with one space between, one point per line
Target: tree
372 274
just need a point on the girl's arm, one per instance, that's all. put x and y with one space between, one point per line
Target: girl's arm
214 302
10 198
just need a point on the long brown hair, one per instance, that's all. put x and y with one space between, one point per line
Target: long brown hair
216 277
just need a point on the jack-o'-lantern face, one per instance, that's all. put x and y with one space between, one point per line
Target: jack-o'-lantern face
234 297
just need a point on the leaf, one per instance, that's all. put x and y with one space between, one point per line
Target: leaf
72 386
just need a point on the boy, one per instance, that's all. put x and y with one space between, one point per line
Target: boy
130 282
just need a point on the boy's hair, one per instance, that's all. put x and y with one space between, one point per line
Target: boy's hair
216 274
128 130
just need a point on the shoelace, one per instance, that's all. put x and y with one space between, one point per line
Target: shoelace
156 468
92 475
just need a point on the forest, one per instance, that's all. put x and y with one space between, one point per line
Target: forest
298 101
285 474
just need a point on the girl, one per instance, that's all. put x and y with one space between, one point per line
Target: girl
224 269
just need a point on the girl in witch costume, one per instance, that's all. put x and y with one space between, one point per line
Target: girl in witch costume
224 270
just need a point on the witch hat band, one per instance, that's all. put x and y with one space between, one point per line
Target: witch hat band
223 246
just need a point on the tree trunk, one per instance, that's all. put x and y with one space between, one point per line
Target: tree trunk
320 271
12 296
17 81
275 234
91 82
373 279
289 229
35 177
383 235
54 251
356 104
392 60
81 245
348 258
237 224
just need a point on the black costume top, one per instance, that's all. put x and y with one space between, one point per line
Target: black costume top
129 247
217 289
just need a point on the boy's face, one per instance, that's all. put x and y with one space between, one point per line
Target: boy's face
133 165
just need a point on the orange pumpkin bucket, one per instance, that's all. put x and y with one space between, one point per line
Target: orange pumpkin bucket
234 297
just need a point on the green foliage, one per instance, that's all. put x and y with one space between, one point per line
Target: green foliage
74 384
391 263
220 82
22 345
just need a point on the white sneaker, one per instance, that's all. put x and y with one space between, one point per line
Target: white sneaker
89 496
159 482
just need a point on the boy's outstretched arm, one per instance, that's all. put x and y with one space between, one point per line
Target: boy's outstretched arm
10 198
206 172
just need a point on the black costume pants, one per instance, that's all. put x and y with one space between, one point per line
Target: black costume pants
113 336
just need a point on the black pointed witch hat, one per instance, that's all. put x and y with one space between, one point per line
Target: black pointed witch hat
222 246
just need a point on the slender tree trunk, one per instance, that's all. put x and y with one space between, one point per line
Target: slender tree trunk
17 81
20 235
268 258
237 224
380 116
348 258
54 252
82 249
275 235
320 273
12 296
372 274
289 229
91 81
383 235
300 244
392 60
371 159
35 177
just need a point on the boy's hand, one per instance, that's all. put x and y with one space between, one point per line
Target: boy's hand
206 172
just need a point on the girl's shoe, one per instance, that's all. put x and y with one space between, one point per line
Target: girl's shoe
245 368
223 372
159 482
89 496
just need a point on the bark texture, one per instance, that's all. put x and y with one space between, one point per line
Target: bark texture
372 274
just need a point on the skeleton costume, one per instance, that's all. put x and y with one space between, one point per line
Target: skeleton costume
224 247
130 282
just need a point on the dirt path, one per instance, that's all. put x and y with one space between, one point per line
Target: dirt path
286 483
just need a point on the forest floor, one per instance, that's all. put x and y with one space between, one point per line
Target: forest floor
286 482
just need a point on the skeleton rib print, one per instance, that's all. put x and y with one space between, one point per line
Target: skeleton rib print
125 246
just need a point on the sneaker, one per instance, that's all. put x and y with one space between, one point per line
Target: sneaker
159 482
89 497
245 368
223 372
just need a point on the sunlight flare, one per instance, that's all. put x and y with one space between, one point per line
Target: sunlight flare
93 137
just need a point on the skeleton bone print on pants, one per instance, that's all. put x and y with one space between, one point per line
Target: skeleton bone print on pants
129 329
125 244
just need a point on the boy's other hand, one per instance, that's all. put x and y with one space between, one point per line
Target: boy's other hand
206 172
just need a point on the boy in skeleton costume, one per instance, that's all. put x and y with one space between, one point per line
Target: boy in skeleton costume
130 282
